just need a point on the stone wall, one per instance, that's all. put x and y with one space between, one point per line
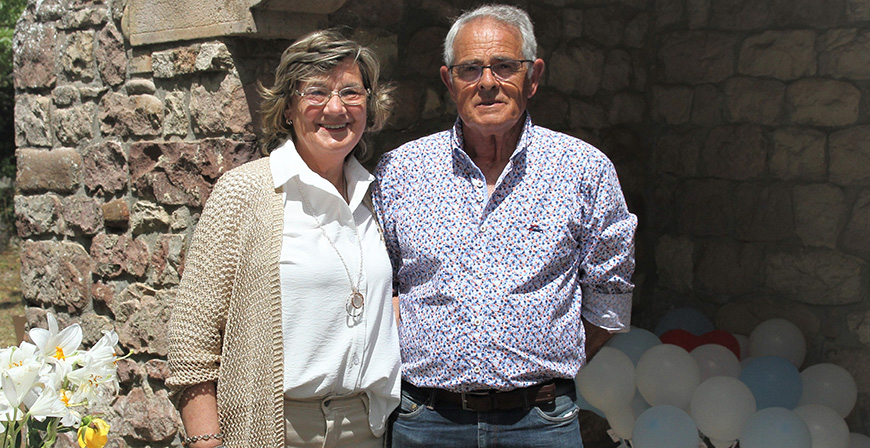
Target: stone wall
761 168
735 127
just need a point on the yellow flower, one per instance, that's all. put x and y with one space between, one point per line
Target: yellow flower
94 434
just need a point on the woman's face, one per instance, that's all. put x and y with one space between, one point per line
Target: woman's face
330 131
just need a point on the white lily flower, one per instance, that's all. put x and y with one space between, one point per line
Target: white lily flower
57 345
19 381
47 405
15 356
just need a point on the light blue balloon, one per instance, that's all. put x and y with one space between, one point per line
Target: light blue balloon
687 318
775 428
634 343
774 381
664 426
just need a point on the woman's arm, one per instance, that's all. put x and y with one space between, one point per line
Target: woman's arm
198 406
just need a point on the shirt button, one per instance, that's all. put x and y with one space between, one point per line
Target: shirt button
476 321
477 182
483 228
476 369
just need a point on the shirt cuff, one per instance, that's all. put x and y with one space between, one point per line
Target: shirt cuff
611 312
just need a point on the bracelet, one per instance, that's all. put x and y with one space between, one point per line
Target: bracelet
193 439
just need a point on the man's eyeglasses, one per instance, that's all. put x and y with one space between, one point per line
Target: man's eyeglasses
501 69
349 96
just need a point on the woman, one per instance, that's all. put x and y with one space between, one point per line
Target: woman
283 332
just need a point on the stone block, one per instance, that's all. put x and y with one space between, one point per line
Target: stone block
735 152
677 153
588 115
616 74
139 86
148 217
798 154
856 238
728 268
707 105
143 315
73 125
698 57
77 55
637 31
147 416
219 155
36 54
116 213
384 13
89 17
668 12
673 105
698 12
823 102
56 274
174 62
111 56
675 261
763 212
739 14
32 120
213 57
38 215
858 10
103 294
140 64
843 54
49 10
577 68
56 170
157 369
816 276
93 325
785 55
175 121
65 96
550 108
166 260
82 215
219 106
384 44
850 156
105 168
409 102
421 57
741 317
754 100
859 324
605 26
572 22
704 208
115 255
807 13
131 116
820 211
180 219
627 107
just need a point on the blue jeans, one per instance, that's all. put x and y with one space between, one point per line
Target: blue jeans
417 423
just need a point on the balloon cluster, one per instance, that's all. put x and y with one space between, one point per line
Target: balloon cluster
688 383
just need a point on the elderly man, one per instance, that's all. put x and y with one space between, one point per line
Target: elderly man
512 250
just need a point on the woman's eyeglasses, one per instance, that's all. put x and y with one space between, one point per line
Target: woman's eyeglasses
349 96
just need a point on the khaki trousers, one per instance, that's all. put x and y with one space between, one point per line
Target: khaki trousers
329 422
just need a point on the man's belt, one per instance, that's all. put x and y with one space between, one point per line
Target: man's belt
494 400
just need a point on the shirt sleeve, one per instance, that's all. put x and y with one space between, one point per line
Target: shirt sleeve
385 195
607 245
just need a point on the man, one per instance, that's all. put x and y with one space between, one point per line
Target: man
512 249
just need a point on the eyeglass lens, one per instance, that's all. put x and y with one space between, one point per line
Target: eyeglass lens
350 96
501 70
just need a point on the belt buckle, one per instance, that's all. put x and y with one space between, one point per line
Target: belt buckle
465 395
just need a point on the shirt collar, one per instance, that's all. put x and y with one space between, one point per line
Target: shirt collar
523 143
285 163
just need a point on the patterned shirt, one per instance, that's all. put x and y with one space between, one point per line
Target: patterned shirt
491 289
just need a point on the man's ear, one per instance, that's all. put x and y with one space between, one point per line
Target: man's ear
447 80
537 72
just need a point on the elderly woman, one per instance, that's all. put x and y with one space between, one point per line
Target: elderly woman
283 331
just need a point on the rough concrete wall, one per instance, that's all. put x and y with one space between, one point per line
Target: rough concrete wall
761 170
735 127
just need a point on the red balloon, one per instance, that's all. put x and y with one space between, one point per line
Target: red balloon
722 338
681 338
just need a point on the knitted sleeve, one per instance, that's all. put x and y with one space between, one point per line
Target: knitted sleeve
199 314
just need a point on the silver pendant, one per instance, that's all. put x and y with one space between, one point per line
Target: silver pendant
355 304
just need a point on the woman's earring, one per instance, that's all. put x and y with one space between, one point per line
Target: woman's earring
288 121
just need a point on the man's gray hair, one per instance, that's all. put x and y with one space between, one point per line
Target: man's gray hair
509 15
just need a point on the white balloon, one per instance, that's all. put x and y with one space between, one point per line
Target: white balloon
829 385
621 420
608 381
667 375
827 428
778 337
716 360
858 440
721 406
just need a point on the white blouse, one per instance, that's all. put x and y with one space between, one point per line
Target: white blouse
329 348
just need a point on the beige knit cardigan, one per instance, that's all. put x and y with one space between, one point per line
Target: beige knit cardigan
226 322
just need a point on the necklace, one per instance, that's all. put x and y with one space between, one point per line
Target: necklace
356 300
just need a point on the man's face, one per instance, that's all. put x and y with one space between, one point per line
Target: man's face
490 105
